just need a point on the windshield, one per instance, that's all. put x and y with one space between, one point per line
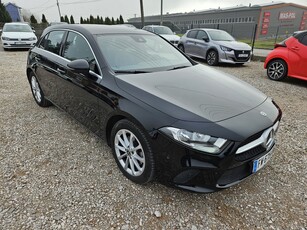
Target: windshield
220 35
140 53
162 30
17 28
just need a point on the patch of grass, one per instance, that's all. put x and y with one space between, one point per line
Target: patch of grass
263 44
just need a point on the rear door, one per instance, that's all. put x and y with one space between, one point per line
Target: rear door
190 43
48 61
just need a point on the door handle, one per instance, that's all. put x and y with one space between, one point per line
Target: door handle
37 58
60 70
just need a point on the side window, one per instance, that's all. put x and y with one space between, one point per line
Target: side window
192 34
76 47
43 42
53 41
201 34
304 40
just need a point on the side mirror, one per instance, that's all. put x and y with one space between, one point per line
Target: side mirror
0 30
206 39
79 66
33 31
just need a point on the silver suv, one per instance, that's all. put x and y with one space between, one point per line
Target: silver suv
215 46
165 32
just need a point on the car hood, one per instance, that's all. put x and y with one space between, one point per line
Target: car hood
234 45
198 93
18 34
170 37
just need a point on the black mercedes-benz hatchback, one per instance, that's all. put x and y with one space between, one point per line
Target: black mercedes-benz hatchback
164 116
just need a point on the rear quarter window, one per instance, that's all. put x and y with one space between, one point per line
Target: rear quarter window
192 34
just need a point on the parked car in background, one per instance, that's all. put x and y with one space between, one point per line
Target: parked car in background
289 58
164 115
17 35
165 32
216 46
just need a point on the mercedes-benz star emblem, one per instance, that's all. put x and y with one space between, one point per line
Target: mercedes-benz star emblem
263 113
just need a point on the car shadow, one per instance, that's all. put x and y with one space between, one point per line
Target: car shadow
228 65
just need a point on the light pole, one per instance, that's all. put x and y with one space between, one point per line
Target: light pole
57 2
161 20
142 13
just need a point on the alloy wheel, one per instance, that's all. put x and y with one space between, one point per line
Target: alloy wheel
129 152
211 58
36 89
276 70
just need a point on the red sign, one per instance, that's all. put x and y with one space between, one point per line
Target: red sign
264 32
305 12
305 17
265 25
267 14
286 15
266 20
303 23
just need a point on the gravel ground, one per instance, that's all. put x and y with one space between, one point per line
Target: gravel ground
55 174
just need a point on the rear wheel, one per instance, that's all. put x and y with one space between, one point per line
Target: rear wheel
277 70
212 58
132 152
37 92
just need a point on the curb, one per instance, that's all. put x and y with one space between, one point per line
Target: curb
258 58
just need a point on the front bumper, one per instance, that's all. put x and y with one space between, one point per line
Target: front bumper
188 169
234 56
18 44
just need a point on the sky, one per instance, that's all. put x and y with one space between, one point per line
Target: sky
126 8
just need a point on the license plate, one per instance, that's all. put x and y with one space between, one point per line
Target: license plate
243 55
259 163
20 43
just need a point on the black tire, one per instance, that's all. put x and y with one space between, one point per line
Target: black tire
181 47
212 58
240 64
135 158
37 92
277 70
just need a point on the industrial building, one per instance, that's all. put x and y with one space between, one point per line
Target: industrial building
267 20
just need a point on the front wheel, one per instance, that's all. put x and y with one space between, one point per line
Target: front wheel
132 152
37 92
277 70
181 48
212 58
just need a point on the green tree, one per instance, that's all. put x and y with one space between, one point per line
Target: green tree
81 20
62 19
33 19
4 15
44 20
112 21
92 20
117 21
66 19
107 21
121 20
72 20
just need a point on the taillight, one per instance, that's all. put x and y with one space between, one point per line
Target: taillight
281 44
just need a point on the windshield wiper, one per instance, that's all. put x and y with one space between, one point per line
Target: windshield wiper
131 71
178 67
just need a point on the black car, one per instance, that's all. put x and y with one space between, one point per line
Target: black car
164 116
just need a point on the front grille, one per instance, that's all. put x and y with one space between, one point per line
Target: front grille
249 154
174 42
25 39
238 53
13 39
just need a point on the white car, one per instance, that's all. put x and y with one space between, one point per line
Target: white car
17 35
165 32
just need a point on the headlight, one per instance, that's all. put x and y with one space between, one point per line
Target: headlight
32 39
5 38
224 48
201 142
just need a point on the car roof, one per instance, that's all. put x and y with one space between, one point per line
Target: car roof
155 26
17 23
96 29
